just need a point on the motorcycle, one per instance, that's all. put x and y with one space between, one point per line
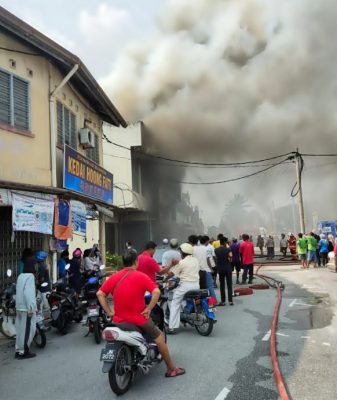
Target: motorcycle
96 318
197 308
63 305
8 315
127 351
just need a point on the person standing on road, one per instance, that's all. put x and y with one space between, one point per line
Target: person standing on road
260 244
128 288
323 245
236 262
302 249
216 243
270 245
292 246
148 265
25 304
318 254
172 254
283 245
61 264
224 258
200 253
26 253
211 261
312 246
247 255
187 270
43 277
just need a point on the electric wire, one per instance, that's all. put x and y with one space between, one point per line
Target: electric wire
238 178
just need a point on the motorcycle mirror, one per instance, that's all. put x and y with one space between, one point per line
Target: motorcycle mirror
9 272
44 284
67 267
102 267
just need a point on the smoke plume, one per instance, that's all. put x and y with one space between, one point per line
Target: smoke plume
236 80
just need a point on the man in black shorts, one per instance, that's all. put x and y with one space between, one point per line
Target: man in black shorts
128 288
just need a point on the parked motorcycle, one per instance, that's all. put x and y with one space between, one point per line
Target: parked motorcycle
197 309
63 305
127 351
96 318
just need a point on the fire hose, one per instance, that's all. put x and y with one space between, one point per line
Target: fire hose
279 286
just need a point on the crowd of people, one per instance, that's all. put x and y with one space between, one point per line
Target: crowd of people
199 263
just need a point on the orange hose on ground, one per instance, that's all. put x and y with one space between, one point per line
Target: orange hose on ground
273 346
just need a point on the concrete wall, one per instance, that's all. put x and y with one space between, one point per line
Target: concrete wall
25 156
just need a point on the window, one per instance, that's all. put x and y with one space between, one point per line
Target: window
66 126
14 101
93 153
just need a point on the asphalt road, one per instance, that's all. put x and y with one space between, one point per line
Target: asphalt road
233 363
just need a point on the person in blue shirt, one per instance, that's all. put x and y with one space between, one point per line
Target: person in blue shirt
323 246
62 262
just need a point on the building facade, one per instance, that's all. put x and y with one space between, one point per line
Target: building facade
48 100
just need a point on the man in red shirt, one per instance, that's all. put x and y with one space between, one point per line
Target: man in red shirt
148 265
128 288
247 256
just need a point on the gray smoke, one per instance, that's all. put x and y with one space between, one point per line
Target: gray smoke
238 80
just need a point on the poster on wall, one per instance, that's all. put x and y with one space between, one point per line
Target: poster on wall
32 214
79 214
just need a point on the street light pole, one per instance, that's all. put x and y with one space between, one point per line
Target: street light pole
299 194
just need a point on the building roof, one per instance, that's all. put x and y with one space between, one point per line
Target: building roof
83 80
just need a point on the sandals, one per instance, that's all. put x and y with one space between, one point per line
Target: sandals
175 372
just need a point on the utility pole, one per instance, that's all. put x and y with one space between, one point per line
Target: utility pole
299 194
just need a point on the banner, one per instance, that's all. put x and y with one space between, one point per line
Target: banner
79 213
84 176
63 228
32 214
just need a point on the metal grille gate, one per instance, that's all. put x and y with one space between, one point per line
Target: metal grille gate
10 252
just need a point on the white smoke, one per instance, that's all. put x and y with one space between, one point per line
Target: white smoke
230 80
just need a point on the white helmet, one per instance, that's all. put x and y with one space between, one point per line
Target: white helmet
165 241
174 242
186 248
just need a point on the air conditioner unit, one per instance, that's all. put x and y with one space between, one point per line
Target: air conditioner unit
87 138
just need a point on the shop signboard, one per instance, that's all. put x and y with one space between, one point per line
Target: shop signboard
79 216
83 176
32 214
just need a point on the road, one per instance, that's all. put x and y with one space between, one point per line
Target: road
233 363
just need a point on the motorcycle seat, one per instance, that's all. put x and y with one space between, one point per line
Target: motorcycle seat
194 294
124 327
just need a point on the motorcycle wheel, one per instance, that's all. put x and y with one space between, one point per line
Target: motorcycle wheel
40 338
166 309
61 324
206 328
97 332
7 330
119 378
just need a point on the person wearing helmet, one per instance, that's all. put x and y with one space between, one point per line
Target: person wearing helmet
187 270
43 277
172 254
165 242
75 280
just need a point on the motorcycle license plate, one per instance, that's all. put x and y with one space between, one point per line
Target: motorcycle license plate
92 312
108 355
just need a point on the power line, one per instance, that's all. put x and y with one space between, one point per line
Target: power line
196 162
236 179
318 155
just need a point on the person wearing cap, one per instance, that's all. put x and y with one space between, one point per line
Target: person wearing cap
172 254
148 265
187 270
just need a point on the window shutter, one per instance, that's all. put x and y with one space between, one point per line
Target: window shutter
73 139
60 139
5 98
20 103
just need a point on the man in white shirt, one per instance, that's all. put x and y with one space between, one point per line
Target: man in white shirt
200 252
187 270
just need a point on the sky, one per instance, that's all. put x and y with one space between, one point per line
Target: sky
96 31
